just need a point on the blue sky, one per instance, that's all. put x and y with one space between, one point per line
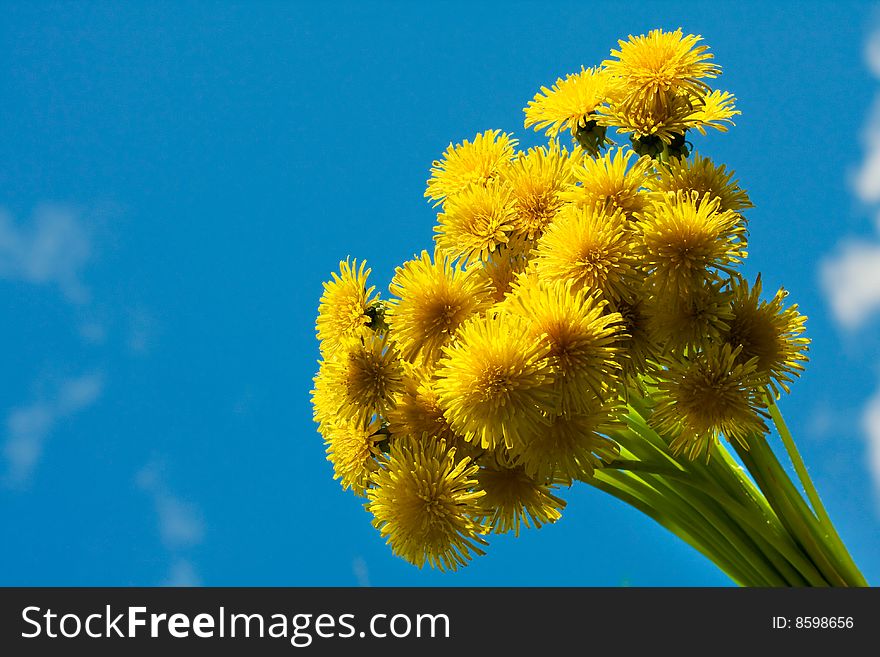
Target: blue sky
178 179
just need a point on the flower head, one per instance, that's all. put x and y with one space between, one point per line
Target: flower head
470 163
425 501
713 111
570 103
768 333
359 382
352 448
592 248
500 270
662 122
686 236
343 312
638 350
699 174
476 222
580 336
706 395
692 319
662 64
495 380
572 446
417 411
513 499
609 181
326 398
667 122
434 297
536 179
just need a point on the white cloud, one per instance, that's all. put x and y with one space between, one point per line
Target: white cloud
141 331
76 394
182 573
866 182
851 278
851 281
53 248
26 430
872 53
871 424
28 427
93 332
361 574
180 523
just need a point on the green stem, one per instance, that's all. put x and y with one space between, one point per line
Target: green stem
789 506
714 518
682 524
797 461
723 478
735 518
752 523
776 545
800 468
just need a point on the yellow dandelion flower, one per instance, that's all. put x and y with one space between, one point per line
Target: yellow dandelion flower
651 126
591 248
639 352
345 306
424 503
581 338
470 163
326 398
352 448
572 447
434 298
691 320
500 270
495 380
685 236
713 111
658 129
605 181
417 412
709 394
652 67
700 175
513 500
536 179
362 380
476 222
571 105
769 333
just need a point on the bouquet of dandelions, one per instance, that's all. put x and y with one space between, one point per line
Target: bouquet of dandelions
581 318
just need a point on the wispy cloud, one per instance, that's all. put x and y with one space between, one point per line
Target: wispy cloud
871 424
866 182
872 53
851 277
50 249
141 331
361 573
851 281
93 332
28 427
180 523
182 573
